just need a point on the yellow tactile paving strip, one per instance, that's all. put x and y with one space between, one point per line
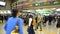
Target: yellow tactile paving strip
48 32
43 32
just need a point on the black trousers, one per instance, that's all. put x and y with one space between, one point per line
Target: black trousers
31 30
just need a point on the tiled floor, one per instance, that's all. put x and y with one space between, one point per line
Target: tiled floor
46 30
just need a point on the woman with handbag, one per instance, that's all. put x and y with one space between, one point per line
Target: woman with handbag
30 26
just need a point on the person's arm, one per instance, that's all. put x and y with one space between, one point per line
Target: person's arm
40 19
5 26
21 26
30 20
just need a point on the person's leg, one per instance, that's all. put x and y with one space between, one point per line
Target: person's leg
49 21
36 26
33 32
45 22
40 27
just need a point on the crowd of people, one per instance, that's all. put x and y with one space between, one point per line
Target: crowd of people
16 22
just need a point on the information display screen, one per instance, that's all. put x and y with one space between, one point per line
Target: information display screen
2 3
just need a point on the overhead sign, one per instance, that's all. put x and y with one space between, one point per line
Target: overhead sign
2 3
43 12
56 3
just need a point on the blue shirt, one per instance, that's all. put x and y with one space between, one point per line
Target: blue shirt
11 24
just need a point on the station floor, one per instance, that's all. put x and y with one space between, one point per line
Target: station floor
49 29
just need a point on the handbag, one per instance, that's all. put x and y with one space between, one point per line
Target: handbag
34 22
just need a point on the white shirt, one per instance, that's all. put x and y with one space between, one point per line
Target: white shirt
30 20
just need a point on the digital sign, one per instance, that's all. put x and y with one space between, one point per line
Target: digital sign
2 3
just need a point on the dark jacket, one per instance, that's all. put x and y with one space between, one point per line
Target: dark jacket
58 23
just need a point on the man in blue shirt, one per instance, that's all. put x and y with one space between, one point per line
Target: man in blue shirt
12 21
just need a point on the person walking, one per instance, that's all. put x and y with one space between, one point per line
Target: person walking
11 23
30 26
38 22
58 25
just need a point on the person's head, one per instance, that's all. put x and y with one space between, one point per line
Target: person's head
39 15
30 16
15 13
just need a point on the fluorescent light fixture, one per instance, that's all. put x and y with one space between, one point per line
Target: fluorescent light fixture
2 3
1 12
5 12
58 9
8 11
